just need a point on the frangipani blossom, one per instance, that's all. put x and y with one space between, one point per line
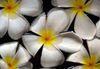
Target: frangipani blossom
11 20
83 26
49 27
82 56
11 58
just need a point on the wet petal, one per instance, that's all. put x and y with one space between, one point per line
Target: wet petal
78 56
18 25
51 57
32 44
3 65
22 56
94 7
84 27
39 24
98 29
57 20
3 24
69 42
8 49
30 7
94 47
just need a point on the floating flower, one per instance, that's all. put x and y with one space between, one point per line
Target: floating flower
11 20
83 26
82 56
50 38
10 59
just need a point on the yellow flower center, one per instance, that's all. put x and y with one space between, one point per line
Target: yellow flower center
12 63
78 6
47 37
91 63
10 7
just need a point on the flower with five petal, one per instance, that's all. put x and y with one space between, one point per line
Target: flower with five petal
10 59
49 28
89 61
83 26
11 20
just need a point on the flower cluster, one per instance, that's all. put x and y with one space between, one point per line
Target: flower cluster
49 32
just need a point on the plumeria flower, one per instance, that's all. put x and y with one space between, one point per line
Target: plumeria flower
11 58
83 26
98 29
48 28
11 18
82 56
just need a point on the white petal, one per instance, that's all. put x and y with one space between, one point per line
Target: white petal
84 27
57 20
18 25
30 7
3 65
28 65
78 67
32 44
22 55
98 29
78 56
94 47
94 7
63 3
8 49
69 42
3 24
51 57
39 24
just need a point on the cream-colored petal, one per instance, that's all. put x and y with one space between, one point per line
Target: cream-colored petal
51 56
3 65
84 27
28 65
32 43
68 42
18 25
64 3
3 24
98 29
8 49
39 24
94 7
22 56
57 20
79 67
30 7
78 56
94 47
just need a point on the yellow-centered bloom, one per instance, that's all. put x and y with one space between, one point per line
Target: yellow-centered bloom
10 7
91 62
12 63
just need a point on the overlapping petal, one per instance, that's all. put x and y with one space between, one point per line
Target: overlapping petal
18 25
32 44
84 27
57 20
98 29
3 65
68 42
78 67
39 24
51 57
30 7
8 49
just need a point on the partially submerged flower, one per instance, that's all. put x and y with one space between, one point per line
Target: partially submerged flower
11 18
83 26
51 39
89 61
10 59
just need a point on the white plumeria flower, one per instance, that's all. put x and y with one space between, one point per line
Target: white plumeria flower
82 56
11 20
98 28
49 27
83 26
10 59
